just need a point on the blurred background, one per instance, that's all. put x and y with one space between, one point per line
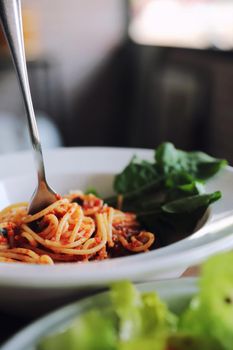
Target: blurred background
124 73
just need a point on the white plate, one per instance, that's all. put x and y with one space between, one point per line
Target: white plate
175 293
74 168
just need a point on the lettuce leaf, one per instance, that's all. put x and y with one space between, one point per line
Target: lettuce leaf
94 330
210 314
135 321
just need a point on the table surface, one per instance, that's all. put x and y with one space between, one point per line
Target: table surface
10 324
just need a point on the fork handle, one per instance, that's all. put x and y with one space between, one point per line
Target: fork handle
11 19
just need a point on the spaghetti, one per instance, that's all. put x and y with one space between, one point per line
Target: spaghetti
77 227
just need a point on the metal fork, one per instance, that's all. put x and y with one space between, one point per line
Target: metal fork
11 19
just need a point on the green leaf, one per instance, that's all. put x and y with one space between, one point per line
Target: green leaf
155 314
192 203
209 169
92 190
161 192
194 187
166 157
84 334
157 342
137 174
196 164
210 313
216 298
126 302
131 199
140 315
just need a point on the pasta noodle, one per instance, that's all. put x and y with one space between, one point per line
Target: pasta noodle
78 227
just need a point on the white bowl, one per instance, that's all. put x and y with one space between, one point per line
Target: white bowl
44 287
176 293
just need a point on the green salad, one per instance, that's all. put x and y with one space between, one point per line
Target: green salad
167 194
142 321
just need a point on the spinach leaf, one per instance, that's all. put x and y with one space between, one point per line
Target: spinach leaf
135 195
171 227
137 174
189 204
168 194
199 165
